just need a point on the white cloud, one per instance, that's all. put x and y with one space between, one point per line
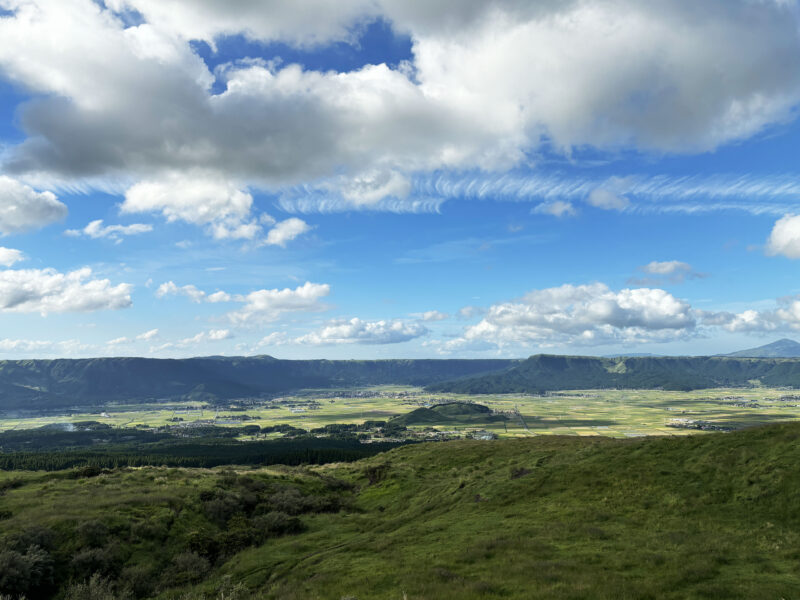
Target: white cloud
219 296
320 21
147 335
276 338
488 82
583 315
285 231
607 200
470 312
169 288
96 230
10 256
557 208
370 188
49 291
39 347
668 271
204 337
199 199
24 209
356 331
785 237
785 316
268 305
431 315
667 267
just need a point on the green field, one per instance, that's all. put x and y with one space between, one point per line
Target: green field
612 413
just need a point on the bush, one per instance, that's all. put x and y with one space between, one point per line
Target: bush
276 523
289 500
104 561
25 573
32 536
93 534
95 588
139 580
149 530
186 568
14 573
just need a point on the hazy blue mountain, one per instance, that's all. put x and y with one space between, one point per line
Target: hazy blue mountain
41 384
784 348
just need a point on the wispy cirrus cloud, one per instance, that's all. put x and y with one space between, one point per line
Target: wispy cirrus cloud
559 193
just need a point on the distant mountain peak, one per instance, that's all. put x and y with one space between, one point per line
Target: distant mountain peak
783 348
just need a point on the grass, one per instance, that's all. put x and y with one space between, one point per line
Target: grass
562 517
704 517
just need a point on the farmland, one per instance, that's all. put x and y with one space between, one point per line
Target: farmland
611 413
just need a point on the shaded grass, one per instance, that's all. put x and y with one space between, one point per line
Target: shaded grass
712 516
701 517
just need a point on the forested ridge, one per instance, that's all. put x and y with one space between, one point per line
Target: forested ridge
43 384
545 372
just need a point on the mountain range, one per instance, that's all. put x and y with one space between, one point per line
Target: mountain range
784 348
62 383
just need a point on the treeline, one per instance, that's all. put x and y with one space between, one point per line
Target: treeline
198 453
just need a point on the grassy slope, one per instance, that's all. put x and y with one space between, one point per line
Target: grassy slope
701 517
710 516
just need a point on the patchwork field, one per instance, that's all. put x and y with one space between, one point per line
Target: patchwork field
612 413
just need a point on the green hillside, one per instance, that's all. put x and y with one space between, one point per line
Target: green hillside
451 413
710 516
545 372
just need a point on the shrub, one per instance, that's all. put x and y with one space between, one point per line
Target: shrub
95 588
92 533
186 568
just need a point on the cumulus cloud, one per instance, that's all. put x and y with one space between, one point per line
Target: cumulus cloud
319 21
267 305
218 296
357 331
487 83
785 237
170 288
285 231
470 312
96 230
49 291
24 209
219 205
583 315
10 256
225 210
785 316
668 271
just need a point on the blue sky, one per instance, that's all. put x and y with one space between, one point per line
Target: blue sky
372 179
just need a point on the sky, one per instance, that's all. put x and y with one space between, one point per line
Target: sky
398 179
